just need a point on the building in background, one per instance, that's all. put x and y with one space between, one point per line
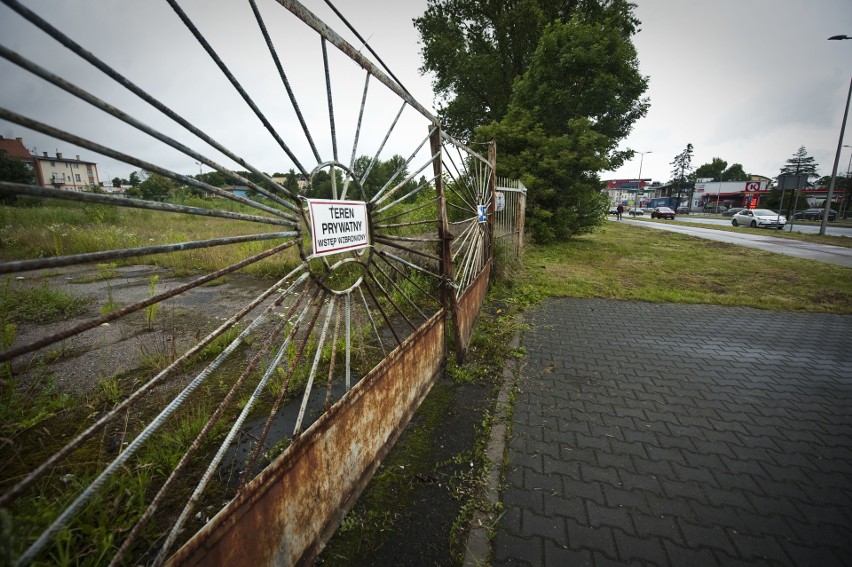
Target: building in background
64 173
15 148
624 191
54 171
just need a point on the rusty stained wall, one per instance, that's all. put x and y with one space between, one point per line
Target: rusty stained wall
468 307
286 514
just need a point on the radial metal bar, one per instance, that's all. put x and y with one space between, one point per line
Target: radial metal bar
284 79
400 247
410 193
411 280
7 497
92 323
62 520
382 145
357 136
348 307
405 224
372 322
382 311
321 28
74 47
326 404
380 196
88 258
406 238
458 144
64 194
248 100
330 101
420 269
391 301
176 474
6 114
267 426
332 301
367 45
235 427
399 289
408 211
126 118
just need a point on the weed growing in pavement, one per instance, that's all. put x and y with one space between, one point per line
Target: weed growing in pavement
151 310
7 338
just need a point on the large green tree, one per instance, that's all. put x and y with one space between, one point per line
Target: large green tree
801 164
718 170
475 49
580 95
156 187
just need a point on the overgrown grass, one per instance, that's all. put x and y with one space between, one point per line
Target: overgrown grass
630 263
60 228
41 304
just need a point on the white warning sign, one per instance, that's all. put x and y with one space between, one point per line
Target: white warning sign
338 226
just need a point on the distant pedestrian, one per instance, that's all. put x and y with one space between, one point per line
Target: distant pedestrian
619 210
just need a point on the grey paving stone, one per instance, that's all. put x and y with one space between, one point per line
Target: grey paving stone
736 452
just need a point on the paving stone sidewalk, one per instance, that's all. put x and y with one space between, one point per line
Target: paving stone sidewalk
649 434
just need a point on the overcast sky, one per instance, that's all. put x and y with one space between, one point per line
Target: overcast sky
745 80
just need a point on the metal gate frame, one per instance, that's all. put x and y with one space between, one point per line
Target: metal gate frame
286 514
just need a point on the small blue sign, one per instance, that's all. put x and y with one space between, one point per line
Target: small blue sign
481 212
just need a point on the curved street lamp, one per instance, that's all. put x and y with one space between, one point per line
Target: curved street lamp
830 196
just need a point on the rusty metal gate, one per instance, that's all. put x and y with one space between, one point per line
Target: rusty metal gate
277 414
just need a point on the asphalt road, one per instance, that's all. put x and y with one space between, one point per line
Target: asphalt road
803 228
820 252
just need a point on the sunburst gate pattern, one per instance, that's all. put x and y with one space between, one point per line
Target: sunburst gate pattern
367 246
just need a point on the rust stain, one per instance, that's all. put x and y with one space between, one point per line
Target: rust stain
286 514
467 311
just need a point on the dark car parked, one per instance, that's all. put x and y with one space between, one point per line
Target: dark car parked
663 213
814 214
732 211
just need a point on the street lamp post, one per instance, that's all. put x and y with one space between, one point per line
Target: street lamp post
639 181
837 155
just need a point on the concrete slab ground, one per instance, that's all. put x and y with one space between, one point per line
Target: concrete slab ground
650 434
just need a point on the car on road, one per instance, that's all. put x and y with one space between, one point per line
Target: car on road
732 211
759 218
613 210
635 212
814 214
663 213
683 210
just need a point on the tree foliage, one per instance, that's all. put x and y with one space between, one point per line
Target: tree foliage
579 96
393 170
801 164
475 49
718 170
15 171
156 187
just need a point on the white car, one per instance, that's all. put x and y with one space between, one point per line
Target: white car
759 218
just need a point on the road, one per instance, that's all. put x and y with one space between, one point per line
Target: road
803 228
808 250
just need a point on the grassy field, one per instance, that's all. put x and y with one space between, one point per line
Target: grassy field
61 228
630 263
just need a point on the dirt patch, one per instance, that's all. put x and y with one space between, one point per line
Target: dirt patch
129 344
